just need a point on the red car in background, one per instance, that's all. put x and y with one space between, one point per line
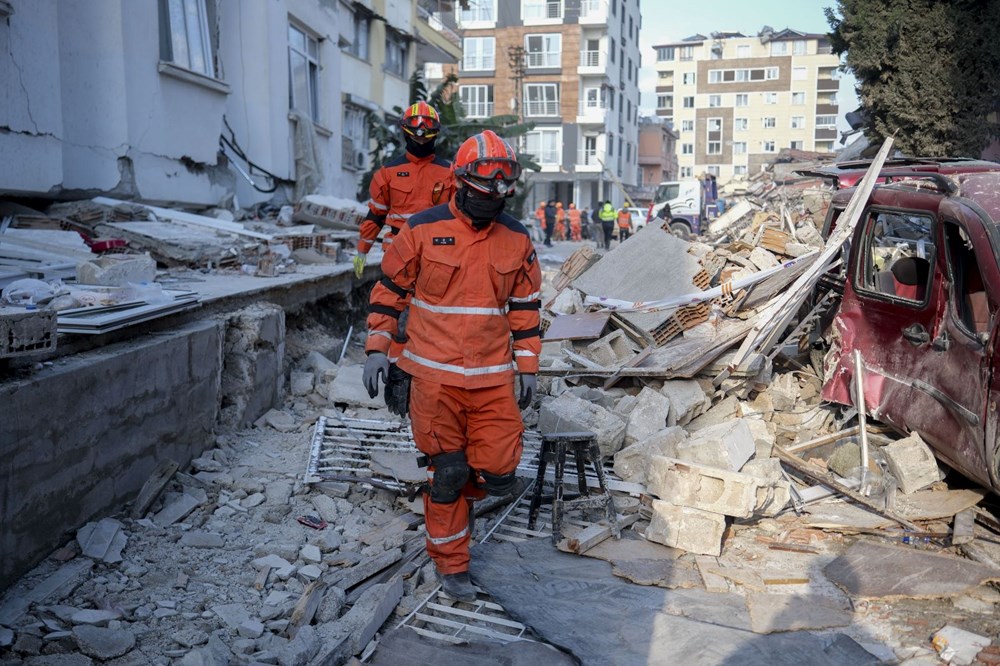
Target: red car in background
921 297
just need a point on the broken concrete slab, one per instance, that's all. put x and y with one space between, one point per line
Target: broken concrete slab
728 445
649 416
937 504
117 270
875 570
633 624
670 574
776 492
912 462
701 487
568 413
301 383
610 351
232 615
403 645
689 529
958 646
348 389
53 588
176 510
200 539
784 391
687 400
567 302
632 462
791 612
398 465
724 411
103 541
351 633
103 644
763 437
279 420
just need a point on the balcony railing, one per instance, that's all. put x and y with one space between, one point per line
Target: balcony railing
591 59
542 59
589 157
593 109
472 64
478 109
541 108
593 9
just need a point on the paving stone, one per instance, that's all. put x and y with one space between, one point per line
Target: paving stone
649 416
199 539
701 487
102 643
687 400
689 529
568 413
912 463
726 446
632 462
98 618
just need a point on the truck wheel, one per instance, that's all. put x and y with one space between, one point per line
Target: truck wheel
681 230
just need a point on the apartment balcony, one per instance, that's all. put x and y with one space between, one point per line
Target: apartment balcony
591 114
478 109
592 62
438 41
587 160
827 85
593 12
541 109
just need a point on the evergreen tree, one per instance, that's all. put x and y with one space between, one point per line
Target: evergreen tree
926 69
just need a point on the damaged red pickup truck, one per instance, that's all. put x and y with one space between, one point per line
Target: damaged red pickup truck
920 303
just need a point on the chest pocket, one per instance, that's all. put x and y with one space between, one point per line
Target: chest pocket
401 198
436 272
504 265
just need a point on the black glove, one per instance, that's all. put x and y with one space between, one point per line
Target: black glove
377 364
397 391
529 384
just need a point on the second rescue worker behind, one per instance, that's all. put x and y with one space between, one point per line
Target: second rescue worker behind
473 280
407 184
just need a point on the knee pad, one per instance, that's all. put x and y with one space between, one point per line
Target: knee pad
451 471
499 484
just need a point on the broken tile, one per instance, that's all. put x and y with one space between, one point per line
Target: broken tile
102 541
199 539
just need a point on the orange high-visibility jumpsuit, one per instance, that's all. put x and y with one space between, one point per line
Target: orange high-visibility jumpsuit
402 187
574 223
624 225
474 315
560 233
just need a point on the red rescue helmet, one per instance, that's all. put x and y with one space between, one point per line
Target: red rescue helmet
421 120
487 163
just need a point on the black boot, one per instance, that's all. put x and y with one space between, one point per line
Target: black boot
458 586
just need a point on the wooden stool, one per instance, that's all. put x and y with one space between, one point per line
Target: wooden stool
583 446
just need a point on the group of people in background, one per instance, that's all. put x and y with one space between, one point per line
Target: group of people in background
597 224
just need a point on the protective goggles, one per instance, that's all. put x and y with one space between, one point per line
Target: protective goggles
421 126
493 175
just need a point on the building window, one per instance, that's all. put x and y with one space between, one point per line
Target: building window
478 53
395 54
714 124
544 145
687 172
689 102
687 125
541 99
743 51
360 25
767 146
664 101
779 48
742 99
796 145
541 9
543 50
771 73
798 122
611 145
303 72
687 53
800 47
713 170
715 100
799 73
829 99
714 148
593 99
741 124
689 78
477 100
611 48
826 121
187 42
739 148
798 98
354 145
740 170
770 121
687 149
479 11
665 53
770 98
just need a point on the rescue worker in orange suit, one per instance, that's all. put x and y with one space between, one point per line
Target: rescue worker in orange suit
407 184
560 234
473 280
575 227
624 223
540 216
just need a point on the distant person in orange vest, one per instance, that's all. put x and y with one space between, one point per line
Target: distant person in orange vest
560 222
540 216
574 223
624 223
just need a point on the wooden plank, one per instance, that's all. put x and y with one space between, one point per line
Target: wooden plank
306 607
594 534
154 485
358 573
190 218
713 581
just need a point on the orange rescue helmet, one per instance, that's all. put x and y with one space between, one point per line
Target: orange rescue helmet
421 120
487 163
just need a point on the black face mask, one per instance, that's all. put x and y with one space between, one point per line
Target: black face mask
418 149
482 209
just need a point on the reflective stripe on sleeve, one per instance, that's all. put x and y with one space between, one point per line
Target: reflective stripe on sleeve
525 299
448 539
524 352
375 204
450 309
457 369
382 333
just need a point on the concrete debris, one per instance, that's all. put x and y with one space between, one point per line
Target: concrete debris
567 302
632 462
957 646
774 495
279 420
649 416
103 541
176 510
568 413
912 463
610 351
301 383
724 411
689 529
117 270
348 389
687 401
103 644
700 487
727 445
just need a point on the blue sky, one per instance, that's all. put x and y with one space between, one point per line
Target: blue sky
672 20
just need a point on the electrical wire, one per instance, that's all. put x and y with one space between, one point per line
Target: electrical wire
233 146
